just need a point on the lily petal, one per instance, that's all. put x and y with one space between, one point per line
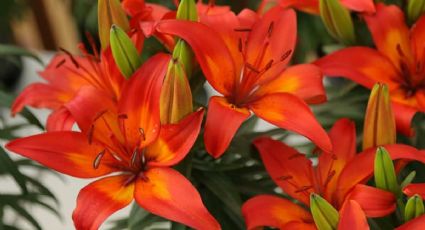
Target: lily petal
390 33
417 36
403 115
165 192
304 81
367 6
363 65
40 95
308 6
218 136
352 217
288 168
412 189
374 202
290 112
278 29
59 120
210 51
175 141
415 224
343 137
273 211
65 151
140 101
360 168
98 200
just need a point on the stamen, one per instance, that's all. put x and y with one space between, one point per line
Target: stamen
240 45
134 156
74 61
242 29
93 45
90 134
115 155
142 133
122 116
98 158
252 68
285 55
268 65
303 189
60 63
400 51
287 177
270 30
330 176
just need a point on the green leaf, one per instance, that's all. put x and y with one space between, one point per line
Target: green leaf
6 50
7 163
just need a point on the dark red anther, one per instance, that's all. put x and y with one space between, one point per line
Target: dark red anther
270 30
330 176
269 65
285 55
60 63
122 116
303 189
242 29
74 61
286 177
252 68
240 46
134 156
400 51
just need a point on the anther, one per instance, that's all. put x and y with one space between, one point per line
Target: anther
142 133
134 156
242 29
303 189
60 63
122 116
90 134
98 158
270 30
285 55
70 57
400 51
269 65
252 68
330 176
240 45
115 155
287 177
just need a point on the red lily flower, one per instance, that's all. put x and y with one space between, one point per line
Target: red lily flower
398 62
130 141
312 6
65 76
339 178
245 59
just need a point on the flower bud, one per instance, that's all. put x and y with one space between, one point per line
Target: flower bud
384 172
187 10
324 214
337 20
183 53
124 52
414 208
379 125
415 8
408 179
110 13
176 96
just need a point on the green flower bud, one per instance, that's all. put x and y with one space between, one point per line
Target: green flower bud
325 216
110 13
124 52
187 10
415 8
337 20
408 179
385 176
414 208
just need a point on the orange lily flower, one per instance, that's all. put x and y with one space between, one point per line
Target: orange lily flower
66 75
339 178
312 6
245 59
130 142
399 62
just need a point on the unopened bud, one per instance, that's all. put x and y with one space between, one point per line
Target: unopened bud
325 216
415 8
384 172
379 125
414 208
187 10
110 13
337 20
124 52
176 96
